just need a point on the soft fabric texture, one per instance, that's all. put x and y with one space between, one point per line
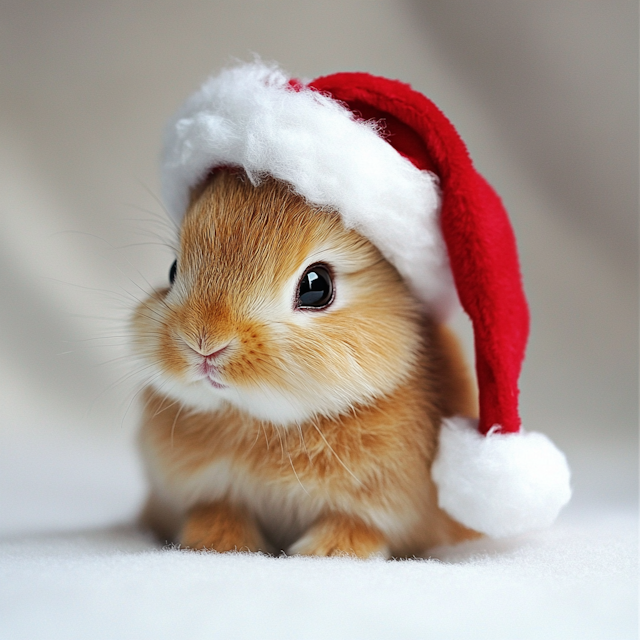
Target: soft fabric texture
501 484
575 581
476 229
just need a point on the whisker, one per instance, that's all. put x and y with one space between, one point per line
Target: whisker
135 395
295 473
121 380
315 426
175 420
304 444
81 340
164 408
161 204
257 436
277 429
266 439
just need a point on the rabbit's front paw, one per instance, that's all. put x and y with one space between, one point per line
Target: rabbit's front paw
222 527
341 535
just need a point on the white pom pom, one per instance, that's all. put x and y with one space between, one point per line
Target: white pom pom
499 484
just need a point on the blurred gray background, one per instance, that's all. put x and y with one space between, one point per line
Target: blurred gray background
544 92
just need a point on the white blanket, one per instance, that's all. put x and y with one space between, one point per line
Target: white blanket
80 574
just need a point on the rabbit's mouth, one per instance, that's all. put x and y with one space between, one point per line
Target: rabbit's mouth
211 373
208 375
211 376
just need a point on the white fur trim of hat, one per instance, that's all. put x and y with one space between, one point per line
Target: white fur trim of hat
248 116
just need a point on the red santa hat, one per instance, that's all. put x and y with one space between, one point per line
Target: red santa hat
393 166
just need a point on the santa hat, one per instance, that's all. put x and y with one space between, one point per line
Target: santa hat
393 166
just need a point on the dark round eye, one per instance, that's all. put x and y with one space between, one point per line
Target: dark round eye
316 288
172 271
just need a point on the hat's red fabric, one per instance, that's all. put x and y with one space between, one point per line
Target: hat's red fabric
476 229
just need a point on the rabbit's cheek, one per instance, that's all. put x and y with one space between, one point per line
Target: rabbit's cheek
172 358
254 360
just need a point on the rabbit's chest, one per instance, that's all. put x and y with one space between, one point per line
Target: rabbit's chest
287 478
283 505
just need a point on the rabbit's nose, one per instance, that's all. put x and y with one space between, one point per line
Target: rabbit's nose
203 348
214 354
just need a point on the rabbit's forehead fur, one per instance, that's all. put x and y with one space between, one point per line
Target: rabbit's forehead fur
243 250
246 244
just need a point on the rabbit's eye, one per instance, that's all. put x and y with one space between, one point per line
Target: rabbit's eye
172 271
315 290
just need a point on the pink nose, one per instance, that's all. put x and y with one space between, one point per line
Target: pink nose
209 357
214 354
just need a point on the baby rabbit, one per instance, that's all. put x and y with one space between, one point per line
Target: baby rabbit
302 392
295 388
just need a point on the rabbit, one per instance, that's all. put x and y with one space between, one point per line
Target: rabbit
295 385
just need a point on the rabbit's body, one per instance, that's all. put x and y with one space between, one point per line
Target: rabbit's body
271 426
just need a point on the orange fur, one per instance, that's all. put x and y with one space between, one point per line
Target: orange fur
324 442
336 534
221 526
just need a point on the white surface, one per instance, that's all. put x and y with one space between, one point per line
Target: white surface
578 580
66 571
